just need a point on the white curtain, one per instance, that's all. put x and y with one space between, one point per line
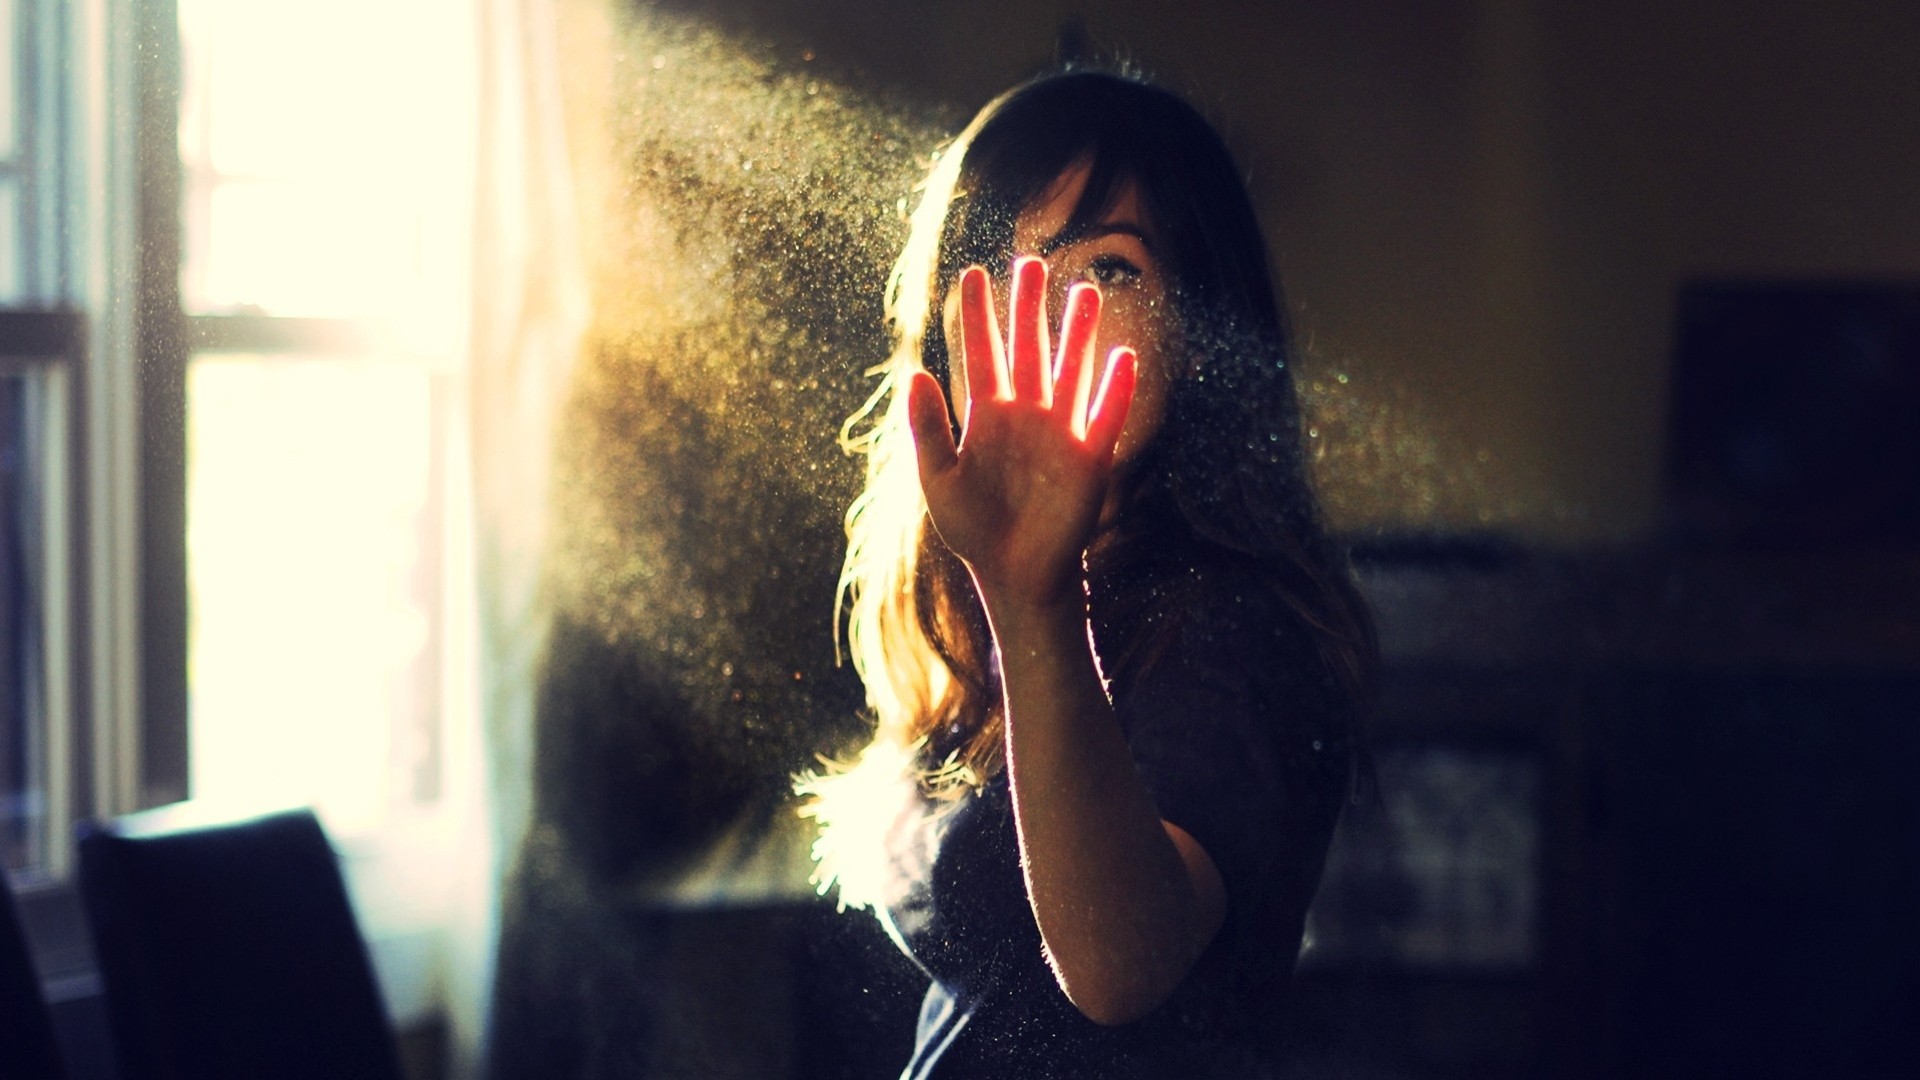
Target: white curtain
531 307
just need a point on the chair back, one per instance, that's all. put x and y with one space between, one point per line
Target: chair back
27 1046
231 952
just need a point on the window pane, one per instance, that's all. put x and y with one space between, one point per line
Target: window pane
23 721
314 583
11 235
255 225
1444 872
326 166
9 79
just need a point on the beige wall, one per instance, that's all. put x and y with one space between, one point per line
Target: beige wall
1764 138
1481 208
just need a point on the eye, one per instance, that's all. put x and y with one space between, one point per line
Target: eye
1110 271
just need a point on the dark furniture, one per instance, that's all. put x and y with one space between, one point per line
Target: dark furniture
27 1048
231 952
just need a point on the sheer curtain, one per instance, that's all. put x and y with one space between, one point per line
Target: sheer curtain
531 306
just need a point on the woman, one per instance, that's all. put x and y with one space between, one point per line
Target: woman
1117 667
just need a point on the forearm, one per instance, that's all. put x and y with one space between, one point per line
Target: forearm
1114 896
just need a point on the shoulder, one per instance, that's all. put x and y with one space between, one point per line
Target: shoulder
1216 636
1220 617
1232 607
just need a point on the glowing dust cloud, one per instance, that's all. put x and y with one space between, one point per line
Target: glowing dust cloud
755 205
1384 463
756 209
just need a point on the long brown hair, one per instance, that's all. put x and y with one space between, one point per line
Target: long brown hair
1223 480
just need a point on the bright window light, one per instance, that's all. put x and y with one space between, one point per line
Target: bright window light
312 564
324 148
313 527
326 157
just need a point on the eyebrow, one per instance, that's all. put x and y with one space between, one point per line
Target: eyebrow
1094 232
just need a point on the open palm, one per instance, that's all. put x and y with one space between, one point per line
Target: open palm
1020 495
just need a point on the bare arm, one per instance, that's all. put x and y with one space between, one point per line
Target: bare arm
1125 901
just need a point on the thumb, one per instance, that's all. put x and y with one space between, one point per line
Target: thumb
932 429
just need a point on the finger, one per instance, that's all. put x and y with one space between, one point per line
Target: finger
1073 373
932 428
981 352
1116 397
1027 311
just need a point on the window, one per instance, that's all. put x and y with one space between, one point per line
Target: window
324 283
224 477
36 711
42 483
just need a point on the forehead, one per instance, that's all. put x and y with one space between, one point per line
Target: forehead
1051 212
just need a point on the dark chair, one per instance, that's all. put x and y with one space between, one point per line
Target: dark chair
231 952
27 1047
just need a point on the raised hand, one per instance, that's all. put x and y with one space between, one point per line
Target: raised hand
1020 495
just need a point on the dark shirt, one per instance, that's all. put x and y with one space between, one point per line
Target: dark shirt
1238 730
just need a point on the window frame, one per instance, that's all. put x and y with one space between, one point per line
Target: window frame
88 94
50 345
107 125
